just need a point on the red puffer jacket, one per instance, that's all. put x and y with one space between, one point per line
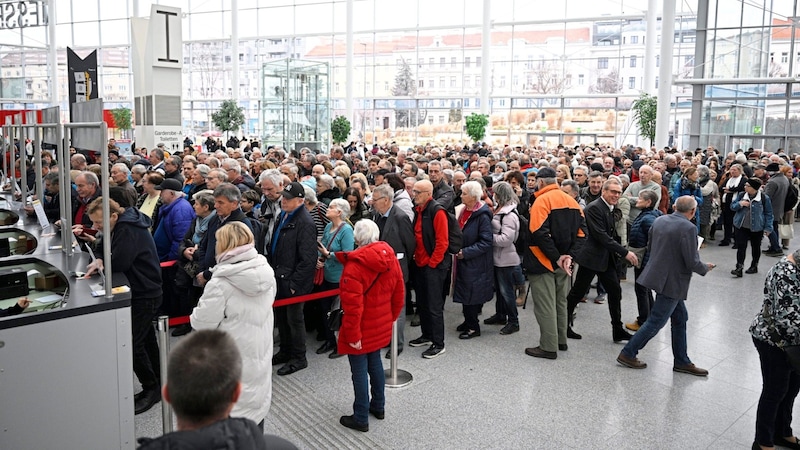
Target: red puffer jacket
372 294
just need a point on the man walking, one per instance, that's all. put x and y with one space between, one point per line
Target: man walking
599 257
673 258
558 229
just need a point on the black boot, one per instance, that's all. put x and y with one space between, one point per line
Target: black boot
752 269
737 272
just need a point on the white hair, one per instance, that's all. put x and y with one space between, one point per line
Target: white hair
366 232
473 189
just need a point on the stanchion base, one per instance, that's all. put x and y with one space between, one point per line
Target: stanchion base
403 379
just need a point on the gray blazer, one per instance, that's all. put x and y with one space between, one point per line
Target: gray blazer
673 257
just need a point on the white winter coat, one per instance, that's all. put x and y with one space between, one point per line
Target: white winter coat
238 299
504 251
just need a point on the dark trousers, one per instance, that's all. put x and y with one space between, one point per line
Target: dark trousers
727 222
368 378
429 287
610 282
291 330
187 294
644 298
743 236
170 300
780 385
146 364
323 307
471 316
774 238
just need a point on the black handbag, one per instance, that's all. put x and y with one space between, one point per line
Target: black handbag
334 319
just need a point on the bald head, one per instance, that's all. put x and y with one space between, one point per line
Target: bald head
686 205
423 192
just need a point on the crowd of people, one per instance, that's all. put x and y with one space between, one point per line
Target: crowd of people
248 225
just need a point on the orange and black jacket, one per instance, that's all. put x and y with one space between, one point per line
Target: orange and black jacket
557 228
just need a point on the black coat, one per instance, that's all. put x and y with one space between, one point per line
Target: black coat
398 232
295 257
206 254
238 433
601 246
133 252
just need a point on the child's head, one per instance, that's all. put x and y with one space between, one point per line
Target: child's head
249 200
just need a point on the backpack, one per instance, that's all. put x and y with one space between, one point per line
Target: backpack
455 238
522 242
791 198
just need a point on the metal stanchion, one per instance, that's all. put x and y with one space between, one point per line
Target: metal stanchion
396 378
162 325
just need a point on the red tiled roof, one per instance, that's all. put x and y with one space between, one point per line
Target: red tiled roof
473 40
782 30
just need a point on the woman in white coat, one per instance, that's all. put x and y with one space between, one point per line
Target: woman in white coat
238 299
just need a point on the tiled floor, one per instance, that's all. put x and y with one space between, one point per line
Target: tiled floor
486 393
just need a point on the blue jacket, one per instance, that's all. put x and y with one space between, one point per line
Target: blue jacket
760 213
474 284
679 191
640 230
174 220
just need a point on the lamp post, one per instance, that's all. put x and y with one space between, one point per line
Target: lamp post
364 100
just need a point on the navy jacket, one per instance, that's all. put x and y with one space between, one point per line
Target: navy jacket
474 284
133 252
295 258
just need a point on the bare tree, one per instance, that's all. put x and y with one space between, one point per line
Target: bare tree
776 70
547 78
206 63
608 83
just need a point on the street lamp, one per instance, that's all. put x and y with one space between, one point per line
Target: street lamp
364 100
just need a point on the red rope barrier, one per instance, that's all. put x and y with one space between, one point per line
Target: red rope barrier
282 302
166 264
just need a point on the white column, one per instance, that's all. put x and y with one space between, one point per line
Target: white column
649 82
52 56
486 56
348 70
665 74
235 48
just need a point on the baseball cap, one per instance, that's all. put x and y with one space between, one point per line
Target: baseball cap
294 190
171 184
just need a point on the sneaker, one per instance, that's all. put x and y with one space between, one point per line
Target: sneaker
600 299
774 253
495 320
510 328
419 342
433 351
633 326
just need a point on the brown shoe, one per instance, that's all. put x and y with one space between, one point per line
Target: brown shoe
691 369
632 363
633 326
537 352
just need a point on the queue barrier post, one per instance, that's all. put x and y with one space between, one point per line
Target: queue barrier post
162 325
396 378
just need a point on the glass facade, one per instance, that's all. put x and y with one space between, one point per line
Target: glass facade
755 42
567 73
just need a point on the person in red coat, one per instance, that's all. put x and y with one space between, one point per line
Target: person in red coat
372 295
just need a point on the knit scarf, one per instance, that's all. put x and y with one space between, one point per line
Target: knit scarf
201 226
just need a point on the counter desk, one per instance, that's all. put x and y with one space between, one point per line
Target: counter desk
65 363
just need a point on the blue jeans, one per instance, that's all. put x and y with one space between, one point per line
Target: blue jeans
367 369
504 282
663 309
774 238
519 276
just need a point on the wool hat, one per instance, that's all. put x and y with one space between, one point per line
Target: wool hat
773 167
754 183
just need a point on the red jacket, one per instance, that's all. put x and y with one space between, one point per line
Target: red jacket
372 292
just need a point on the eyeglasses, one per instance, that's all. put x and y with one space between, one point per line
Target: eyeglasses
416 192
614 192
375 199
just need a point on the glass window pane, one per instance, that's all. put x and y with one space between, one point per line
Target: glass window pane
88 36
114 10
306 21
363 15
113 32
279 21
200 6
729 14
207 23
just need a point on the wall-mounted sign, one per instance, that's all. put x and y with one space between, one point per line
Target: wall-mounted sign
82 77
22 14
